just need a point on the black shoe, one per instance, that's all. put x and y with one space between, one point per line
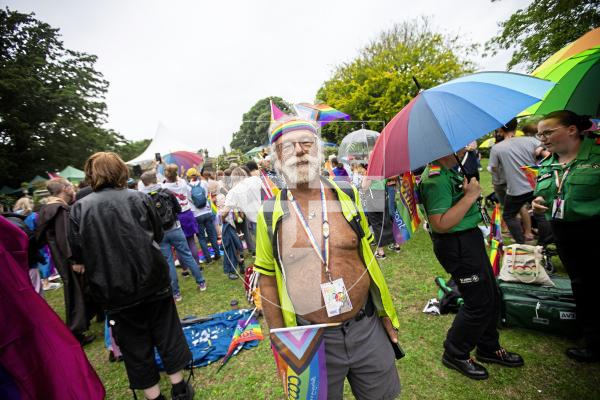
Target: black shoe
468 368
85 339
188 394
216 258
583 355
185 273
501 357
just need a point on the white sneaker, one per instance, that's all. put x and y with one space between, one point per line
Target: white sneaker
54 277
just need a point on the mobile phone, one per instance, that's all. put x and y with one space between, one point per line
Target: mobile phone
398 352
158 157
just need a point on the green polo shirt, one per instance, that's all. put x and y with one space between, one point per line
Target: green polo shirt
267 263
581 188
440 190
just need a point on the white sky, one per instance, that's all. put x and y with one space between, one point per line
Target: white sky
197 66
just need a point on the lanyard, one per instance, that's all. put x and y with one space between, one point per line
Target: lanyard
560 182
322 251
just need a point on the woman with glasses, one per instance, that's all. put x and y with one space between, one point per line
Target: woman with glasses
568 193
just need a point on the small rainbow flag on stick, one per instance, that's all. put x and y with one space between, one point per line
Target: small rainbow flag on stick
496 241
269 188
322 113
531 172
245 331
300 356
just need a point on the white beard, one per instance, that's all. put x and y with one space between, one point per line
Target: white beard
295 174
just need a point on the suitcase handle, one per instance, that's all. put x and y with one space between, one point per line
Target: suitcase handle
555 298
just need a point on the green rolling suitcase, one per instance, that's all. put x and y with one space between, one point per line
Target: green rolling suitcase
544 309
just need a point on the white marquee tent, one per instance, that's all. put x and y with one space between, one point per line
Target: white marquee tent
163 143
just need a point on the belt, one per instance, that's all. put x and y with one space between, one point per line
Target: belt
366 311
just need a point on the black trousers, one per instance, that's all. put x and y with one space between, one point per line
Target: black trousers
576 244
463 255
512 206
141 328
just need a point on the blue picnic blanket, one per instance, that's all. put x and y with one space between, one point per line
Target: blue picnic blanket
209 340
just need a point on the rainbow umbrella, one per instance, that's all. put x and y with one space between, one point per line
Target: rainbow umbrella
444 119
586 42
578 85
185 158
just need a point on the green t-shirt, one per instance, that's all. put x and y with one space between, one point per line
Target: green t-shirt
581 188
441 188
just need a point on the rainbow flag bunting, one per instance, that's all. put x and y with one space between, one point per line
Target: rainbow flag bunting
531 172
300 357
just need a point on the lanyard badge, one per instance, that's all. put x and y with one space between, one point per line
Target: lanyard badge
558 205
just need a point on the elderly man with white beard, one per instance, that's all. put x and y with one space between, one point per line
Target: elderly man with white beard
313 241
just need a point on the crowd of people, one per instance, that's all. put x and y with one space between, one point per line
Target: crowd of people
317 243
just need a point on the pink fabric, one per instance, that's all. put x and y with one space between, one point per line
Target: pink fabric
36 348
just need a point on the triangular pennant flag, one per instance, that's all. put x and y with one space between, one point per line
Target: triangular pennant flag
276 113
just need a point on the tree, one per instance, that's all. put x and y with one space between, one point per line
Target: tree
51 101
255 124
379 81
543 28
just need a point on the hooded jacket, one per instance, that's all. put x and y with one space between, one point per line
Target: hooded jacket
116 233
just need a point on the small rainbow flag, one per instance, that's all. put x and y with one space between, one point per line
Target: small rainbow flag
213 206
245 331
434 170
300 357
406 219
496 241
531 172
269 188
322 113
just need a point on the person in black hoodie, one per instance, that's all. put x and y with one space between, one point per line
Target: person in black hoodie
52 228
115 232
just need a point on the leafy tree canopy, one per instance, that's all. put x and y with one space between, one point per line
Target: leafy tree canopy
543 28
254 129
379 82
51 101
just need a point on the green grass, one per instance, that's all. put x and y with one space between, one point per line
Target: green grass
547 374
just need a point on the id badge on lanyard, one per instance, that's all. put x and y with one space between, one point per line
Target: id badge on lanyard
558 205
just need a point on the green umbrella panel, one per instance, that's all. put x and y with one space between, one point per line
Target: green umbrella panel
578 85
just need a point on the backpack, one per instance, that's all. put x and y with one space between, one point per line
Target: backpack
164 207
198 196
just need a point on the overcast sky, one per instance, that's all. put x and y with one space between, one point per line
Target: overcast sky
197 66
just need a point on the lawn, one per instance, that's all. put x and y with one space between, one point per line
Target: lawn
547 374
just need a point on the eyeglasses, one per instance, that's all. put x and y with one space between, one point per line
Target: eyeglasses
288 148
546 133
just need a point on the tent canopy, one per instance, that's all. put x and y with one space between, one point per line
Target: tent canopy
72 173
162 143
256 150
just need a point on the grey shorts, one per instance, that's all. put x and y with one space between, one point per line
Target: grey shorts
361 351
